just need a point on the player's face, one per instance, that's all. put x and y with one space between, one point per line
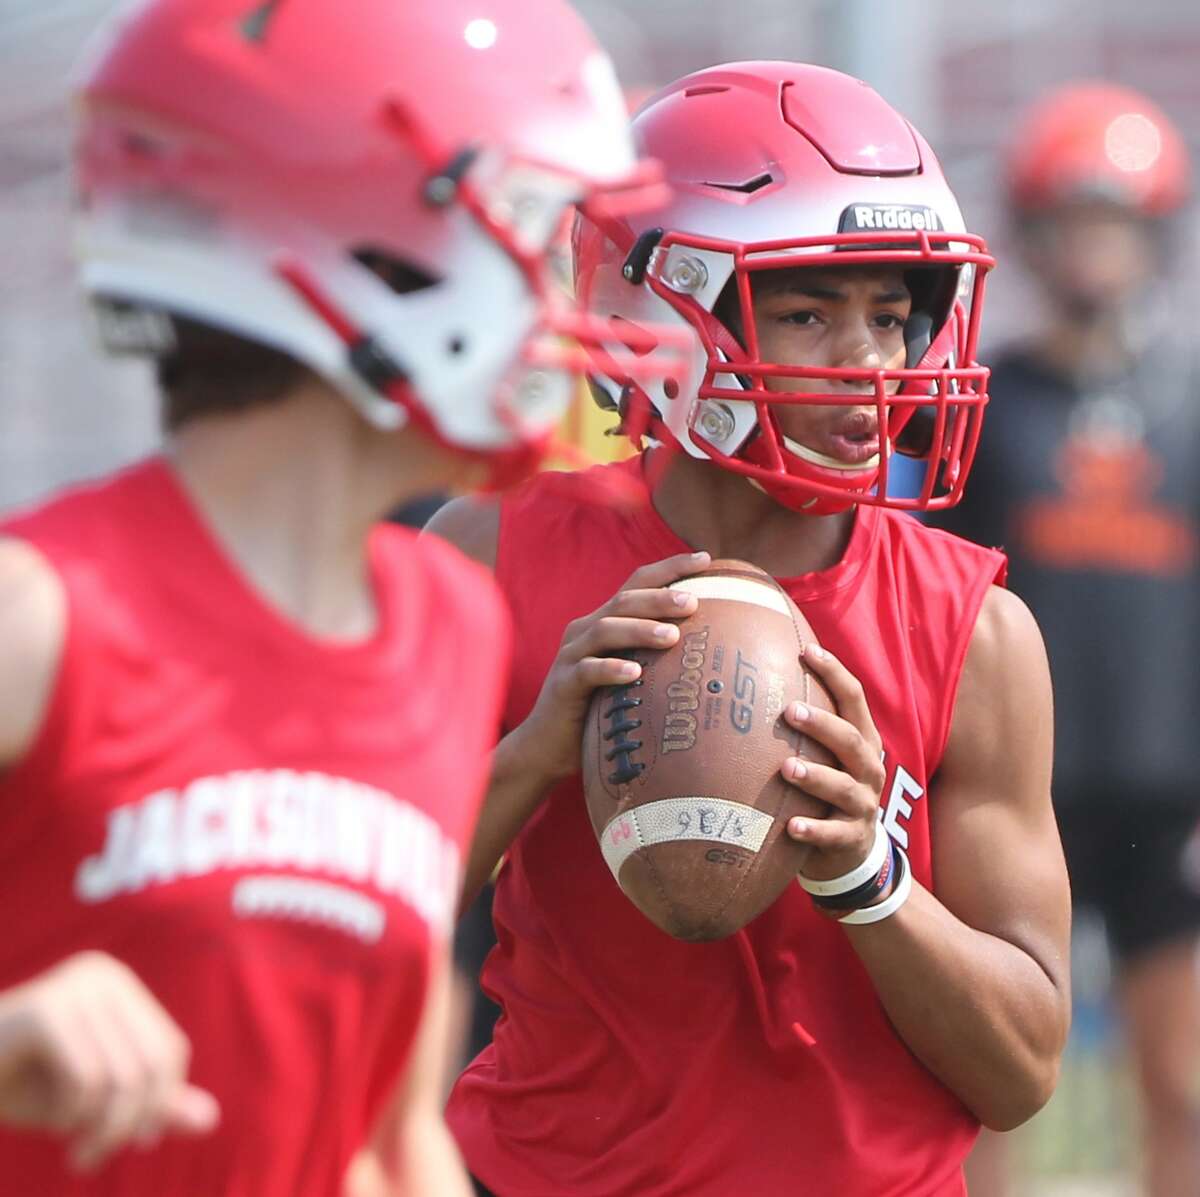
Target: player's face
839 318
1092 257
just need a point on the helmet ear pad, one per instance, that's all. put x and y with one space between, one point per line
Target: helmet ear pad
727 312
933 293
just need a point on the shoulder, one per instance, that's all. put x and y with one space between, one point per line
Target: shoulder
1006 655
1005 678
942 556
33 621
1004 624
471 524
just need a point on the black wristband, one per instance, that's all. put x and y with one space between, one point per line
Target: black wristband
865 893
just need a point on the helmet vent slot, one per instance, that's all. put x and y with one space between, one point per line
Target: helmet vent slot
748 187
401 277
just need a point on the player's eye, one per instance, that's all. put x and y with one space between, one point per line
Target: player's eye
803 319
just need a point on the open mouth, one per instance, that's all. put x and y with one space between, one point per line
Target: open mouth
842 452
847 440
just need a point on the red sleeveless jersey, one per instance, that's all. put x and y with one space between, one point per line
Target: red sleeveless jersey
266 827
630 1064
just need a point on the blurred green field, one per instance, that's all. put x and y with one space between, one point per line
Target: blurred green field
1084 1141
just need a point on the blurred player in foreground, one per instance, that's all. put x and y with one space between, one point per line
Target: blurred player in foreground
243 729
1088 477
817 259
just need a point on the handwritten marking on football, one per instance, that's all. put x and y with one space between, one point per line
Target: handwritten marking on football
684 818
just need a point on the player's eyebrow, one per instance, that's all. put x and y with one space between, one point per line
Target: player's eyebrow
836 294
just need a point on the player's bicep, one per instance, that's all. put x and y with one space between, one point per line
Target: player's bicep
32 630
471 524
997 857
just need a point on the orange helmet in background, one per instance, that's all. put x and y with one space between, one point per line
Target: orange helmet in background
1097 141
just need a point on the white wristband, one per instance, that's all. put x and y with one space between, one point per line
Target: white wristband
890 904
856 877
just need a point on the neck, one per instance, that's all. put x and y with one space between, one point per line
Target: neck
291 491
717 510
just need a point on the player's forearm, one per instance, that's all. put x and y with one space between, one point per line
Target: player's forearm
980 1013
516 789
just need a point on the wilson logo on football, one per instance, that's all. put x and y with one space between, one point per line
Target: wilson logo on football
679 732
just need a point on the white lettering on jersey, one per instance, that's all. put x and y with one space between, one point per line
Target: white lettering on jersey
311 902
278 818
897 807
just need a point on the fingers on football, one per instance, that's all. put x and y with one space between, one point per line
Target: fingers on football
831 785
595 667
670 569
615 634
594 672
858 753
827 835
658 603
845 689
602 629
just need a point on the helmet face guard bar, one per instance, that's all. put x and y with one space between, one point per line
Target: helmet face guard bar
955 413
942 394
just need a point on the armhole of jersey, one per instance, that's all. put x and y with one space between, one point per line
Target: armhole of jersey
508 600
47 743
961 644
500 570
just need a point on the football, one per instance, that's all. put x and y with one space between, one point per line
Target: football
681 767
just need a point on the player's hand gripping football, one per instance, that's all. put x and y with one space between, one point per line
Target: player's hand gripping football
87 1052
843 840
639 615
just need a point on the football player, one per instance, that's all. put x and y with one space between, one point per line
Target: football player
851 1042
243 729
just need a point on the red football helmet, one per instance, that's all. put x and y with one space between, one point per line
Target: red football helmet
775 165
1097 141
370 188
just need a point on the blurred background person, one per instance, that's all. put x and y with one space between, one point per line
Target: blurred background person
1088 475
231 824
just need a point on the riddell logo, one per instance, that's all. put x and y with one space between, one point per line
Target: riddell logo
866 218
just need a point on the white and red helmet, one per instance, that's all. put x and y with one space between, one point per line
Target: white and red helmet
777 165
369 186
